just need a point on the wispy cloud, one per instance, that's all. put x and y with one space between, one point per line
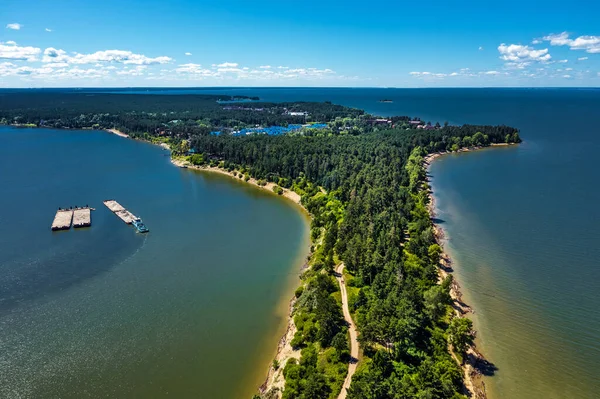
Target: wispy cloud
582 58
48 30
14 26
463 72
137 71
225 72
111 56
188 53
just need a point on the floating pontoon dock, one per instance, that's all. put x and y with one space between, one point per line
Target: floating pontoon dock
82 217
120 211
62 219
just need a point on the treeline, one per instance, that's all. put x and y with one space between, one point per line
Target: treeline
374 218
177 116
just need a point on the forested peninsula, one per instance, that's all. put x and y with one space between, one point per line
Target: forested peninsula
362 179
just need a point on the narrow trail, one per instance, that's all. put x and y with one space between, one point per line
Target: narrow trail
352 328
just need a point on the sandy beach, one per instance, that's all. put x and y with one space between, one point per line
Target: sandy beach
117 132
289 194
473 378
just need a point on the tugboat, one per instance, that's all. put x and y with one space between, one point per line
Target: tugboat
139 226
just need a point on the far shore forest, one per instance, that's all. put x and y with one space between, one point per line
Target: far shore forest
362 178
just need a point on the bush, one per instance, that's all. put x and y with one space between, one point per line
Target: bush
197 159
298 340
277 190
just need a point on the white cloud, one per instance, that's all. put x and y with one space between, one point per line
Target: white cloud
55 55
283 67
195 71
567 76
137 71
228 65
463 72
14 26
112 56
480 48
582 58
517 65
57 65
228 70
188 53
563 61
590 44
192 70
265 67
560 39
47 73
10 51
428 74
48 30
536 41
518 53
568 69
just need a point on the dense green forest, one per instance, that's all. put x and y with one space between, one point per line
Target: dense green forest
373 216
178 116
366 190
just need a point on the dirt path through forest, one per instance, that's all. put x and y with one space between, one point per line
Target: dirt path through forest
352 328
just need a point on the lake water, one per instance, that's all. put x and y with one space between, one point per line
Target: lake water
521 222
192 309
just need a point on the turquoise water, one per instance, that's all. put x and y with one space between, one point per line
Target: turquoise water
192 309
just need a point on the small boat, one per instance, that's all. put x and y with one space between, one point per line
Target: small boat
139 226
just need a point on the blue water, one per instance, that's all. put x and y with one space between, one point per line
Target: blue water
521 222
194 308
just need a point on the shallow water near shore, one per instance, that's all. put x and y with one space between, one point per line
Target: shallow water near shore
193 309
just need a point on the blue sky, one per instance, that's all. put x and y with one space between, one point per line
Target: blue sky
80 43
